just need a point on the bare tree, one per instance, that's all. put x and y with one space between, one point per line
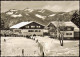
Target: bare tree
60 29
75 18
62 32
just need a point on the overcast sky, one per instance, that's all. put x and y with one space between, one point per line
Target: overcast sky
56 6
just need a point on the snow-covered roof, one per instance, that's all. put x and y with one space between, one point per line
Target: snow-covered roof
20 24
69 23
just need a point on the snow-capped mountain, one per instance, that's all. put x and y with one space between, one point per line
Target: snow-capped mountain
44 16
52 15
29 10
14 13
40 16
19 15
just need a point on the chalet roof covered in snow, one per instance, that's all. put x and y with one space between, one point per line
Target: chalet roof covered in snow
64 23
69 23
20 24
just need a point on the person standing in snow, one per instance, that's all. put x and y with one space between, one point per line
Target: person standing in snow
36 40
4 40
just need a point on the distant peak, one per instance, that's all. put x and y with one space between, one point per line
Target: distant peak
13 10
28 9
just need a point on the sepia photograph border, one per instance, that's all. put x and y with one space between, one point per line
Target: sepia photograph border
36 0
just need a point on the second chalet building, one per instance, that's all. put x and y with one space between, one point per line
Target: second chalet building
28 28
70 29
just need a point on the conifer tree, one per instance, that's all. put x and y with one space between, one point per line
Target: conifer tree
75 19
2 24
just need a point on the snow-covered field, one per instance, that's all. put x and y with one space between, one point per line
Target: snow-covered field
14 45
51 47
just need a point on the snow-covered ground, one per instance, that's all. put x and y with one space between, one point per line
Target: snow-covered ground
14 45
51 47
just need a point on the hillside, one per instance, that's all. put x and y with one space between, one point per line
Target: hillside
43 16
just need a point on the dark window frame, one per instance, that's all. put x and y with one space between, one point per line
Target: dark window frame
30 30
68 33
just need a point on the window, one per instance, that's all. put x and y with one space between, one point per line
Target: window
30 30
27 26
38 26
68 33
32 26
37 30
68 28
17 30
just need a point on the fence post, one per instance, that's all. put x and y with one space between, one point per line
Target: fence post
43 54
22 52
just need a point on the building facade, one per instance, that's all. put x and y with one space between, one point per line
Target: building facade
70 30
28 28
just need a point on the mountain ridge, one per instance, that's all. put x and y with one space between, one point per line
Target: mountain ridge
42 16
